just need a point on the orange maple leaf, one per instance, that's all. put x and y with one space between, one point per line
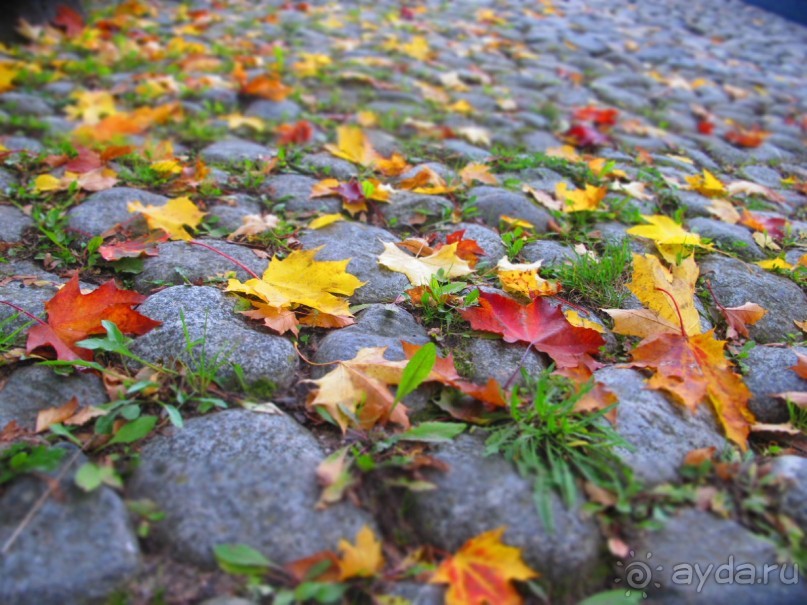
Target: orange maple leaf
482 572
73 316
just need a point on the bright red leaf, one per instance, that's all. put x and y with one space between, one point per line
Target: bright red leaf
69 19
585 135
73 316
538 323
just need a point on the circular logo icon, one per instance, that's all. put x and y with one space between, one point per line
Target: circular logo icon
637 574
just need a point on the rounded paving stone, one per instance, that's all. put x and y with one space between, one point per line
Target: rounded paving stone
13 223
493 203
736 283
235 151
567 556
103 210
78 548
239 477
225 337
770 372
362 244
30 389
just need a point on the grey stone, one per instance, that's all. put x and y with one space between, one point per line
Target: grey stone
294 192
227 601
78 548
769 373
552 253
793 471
763 175
413 208
26 145
376 326
7 181
239 477
103 210
226 337
325 165
273 111
181 262
31 297
567 557
233 209
493 203
733 238
362 244
660 431
235 151
467 151
493 358
489 240
13 223
735 283
31 389
695 537
24 104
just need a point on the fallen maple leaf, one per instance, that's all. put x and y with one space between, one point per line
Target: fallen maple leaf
749 188
523 279
584 135
667 294
747 137
299 281
539 323
579 199
69 19
737 318
73 316
7 75
266 86
467 249
354 147
420 270
773 225
362 560
482 572
671 239
427 182
91 106
801 366
601 116
143 246
695 368
70 414
356 391
173 217
254 224
299 133
478 172
707 184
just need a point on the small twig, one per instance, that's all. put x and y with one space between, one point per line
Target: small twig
228 257
21 310
512 379
26 521
314 363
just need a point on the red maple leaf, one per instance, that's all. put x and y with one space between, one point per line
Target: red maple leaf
539 323
601 116
585 135
73 316
69 19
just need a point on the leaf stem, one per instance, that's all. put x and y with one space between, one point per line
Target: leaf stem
227 256
677 310
21 310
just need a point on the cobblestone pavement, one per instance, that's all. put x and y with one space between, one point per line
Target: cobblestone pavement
651 156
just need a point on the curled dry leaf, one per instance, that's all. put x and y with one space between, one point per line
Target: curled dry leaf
255 224
738 318
420 270
523 279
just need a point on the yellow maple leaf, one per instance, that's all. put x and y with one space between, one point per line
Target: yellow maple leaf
172 218
417 48
362 560
325 220
427 182
707 184
237 120
523 278
354 147
7 75
45 183
482 571
299 279
461 106
310 64
166 167
775 263
578 200
579 321
668 296
356 391
420 270
671 239
91 106
478 172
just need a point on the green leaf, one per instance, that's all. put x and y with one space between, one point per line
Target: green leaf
240 559
63 431
417 370
614 597
174 416
134 431
320 592
433 432
92 476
